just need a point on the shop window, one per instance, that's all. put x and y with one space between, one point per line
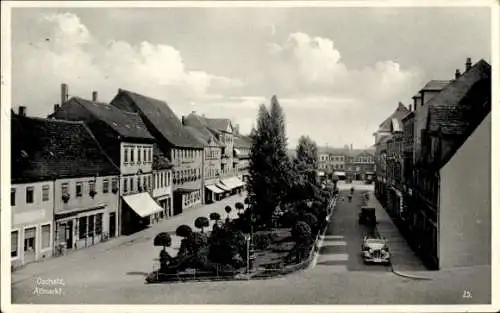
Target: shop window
45 236
29 195
14 244
91 225
45 192
29 239
98 224
82 227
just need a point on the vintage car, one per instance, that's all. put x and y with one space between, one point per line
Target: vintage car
375 250
367 216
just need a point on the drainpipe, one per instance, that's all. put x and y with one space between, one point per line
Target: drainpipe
53 217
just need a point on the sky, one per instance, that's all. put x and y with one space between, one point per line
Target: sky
337 72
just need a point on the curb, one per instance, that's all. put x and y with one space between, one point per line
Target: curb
409 276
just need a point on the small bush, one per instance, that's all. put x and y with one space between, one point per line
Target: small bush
183 231
263 240
201 222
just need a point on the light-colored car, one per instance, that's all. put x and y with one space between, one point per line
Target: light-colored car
375 250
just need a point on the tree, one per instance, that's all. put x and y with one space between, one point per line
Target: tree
239 206
183 231
301 234
214 216
269 164
311 220
164 240
201 222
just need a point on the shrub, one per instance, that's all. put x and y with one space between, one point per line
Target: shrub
225 245
214 216
239 206
263 240
201 222
162 240
183 231
312 221
301 232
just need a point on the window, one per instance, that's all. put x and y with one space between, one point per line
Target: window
132 154
79 189
139 155
29 194
29 239
45 192
139 179
114 184
12 196
92 185
65 189
98 224
105 186
125 185
91 225
145 155
131 181
82 227
125 156
45 236
14 244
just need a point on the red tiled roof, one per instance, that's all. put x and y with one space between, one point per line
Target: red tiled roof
44 149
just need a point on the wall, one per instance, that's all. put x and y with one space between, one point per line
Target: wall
212 164
160 190
182 162
465 203
420 121
26 215
110 200
133 167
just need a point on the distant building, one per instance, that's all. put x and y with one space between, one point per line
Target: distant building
176 143
347 163
242 150
64 188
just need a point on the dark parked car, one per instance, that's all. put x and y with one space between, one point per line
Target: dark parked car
367 216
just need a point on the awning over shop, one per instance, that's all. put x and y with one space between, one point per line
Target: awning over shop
339 173
214 188
222 186
233 182
142 204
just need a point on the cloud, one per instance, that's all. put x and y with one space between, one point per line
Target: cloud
63 50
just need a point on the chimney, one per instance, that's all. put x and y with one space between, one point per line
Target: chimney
56 107
468 64
409 108
64 93
22 110
94 96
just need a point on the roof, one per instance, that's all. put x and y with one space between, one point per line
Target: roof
344 151
220 124
398 114
435 85
44 149
408 116
241 141
464 103
127 124
162 118
396 125
195 124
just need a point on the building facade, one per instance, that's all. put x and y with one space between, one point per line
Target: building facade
242 149
125 138
183 150
64 199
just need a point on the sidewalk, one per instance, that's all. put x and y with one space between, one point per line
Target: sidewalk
169 225
403 257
